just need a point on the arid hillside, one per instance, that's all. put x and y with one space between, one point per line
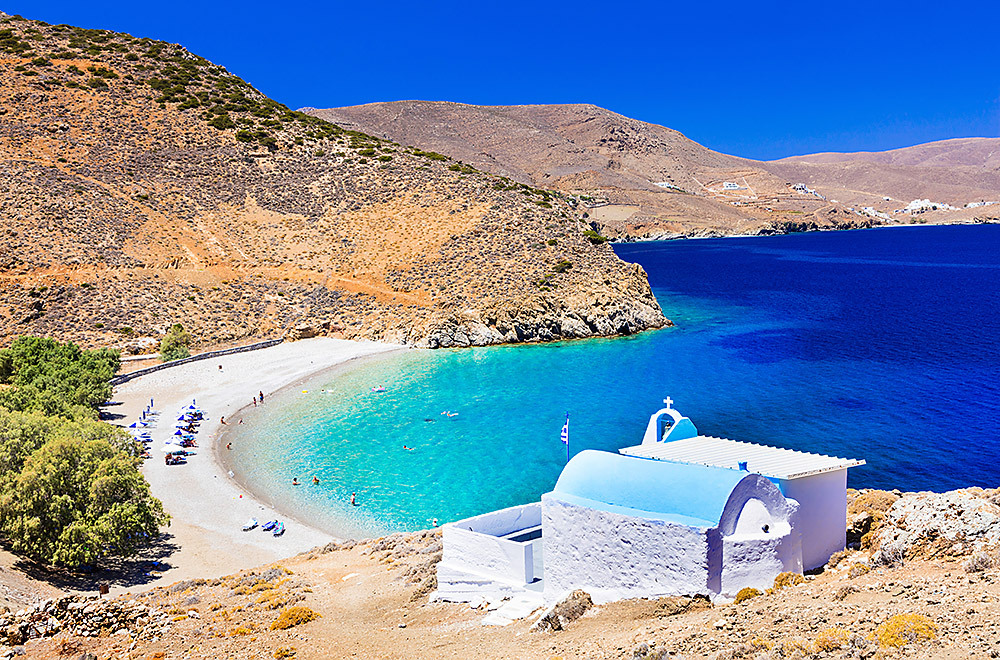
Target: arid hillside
640 180
142 185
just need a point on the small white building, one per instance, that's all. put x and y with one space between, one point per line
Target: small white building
623 527
729 185
680 513
818 483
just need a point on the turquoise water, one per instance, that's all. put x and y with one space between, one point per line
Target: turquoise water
881 345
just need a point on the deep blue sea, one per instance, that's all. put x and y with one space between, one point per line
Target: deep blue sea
878 344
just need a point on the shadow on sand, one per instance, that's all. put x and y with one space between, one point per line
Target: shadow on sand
145 568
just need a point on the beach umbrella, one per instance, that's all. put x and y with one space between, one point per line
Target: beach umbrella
133 425
178 432
170 449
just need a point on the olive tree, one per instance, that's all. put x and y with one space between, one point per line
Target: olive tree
76 501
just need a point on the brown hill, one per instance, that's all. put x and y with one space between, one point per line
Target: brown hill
641 180
143 185
954 172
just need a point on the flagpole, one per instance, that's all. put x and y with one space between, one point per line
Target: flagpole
564 436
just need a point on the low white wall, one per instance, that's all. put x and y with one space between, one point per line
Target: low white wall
503 521
475 544
822 515
613 556
754 560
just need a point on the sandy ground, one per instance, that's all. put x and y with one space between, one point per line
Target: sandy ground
206 505
372 604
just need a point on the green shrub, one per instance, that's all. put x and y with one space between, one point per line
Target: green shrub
176 344
101 72
222 122
431 155
594 237
54 378
562 266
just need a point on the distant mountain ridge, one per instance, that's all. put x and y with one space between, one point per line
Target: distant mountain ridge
979 152
651 181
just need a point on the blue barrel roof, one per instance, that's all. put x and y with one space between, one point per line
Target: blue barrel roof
690 494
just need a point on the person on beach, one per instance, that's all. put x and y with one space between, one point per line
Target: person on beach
261 396
229 445
241 421
255 402
315 480
295 481
222 420
354 500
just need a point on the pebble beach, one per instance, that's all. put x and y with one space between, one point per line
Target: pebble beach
207 505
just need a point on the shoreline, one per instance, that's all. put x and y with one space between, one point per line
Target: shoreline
207 506
684 237
257 493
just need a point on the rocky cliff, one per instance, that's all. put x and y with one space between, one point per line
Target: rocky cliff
143 185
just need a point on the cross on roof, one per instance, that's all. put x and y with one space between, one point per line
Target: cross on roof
669 402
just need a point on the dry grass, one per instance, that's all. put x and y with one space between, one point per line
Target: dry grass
746 593
787 579
904 629
294 616
832 639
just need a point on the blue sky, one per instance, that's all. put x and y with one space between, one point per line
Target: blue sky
757 79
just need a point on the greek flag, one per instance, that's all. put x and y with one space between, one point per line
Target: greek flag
565 431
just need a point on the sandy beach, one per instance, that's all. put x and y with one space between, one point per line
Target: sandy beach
206 505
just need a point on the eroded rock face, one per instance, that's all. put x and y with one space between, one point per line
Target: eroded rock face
594 309
924 525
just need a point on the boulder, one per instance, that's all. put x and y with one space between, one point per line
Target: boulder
567 610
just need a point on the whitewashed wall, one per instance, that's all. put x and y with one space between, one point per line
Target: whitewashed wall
476 561
822 517
613 556
755 560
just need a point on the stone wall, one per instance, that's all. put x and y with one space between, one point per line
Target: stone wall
124 378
